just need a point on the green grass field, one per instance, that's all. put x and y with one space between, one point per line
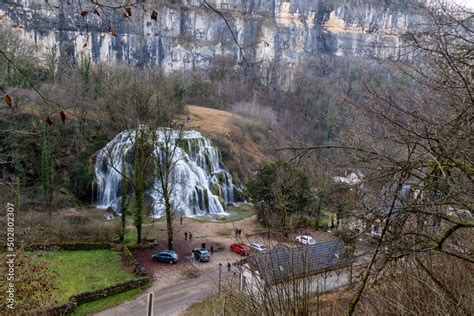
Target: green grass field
83 271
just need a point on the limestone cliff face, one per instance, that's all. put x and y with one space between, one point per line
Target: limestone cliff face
276 34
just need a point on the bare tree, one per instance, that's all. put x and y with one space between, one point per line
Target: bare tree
143 105
415 154
167 157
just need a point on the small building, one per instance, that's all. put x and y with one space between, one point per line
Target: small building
321 267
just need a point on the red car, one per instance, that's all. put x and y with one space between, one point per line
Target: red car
241 249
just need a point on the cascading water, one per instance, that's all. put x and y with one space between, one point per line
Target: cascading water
201 185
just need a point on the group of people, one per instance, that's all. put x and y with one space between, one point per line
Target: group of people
188 234
238 232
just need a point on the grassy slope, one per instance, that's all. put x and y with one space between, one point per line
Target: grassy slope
243 151
107 302
209 306
82 271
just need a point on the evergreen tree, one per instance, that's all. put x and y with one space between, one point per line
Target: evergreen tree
280 190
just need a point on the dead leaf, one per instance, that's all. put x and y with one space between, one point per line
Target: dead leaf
114 33
49 121
63 116
8 100
129 11
84 13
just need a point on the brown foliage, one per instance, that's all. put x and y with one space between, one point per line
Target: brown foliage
33 279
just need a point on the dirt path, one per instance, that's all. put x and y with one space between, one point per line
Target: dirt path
203 231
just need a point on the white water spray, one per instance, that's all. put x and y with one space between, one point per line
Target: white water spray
201 185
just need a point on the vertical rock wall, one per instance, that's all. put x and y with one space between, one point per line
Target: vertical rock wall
276 34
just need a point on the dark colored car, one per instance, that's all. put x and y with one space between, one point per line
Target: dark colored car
168 256
241 249
201 254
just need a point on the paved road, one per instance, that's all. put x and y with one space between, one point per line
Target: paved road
170 300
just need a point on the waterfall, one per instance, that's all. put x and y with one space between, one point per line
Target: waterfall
201 185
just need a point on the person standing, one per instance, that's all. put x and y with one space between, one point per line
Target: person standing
228 266
190 236
203 245
185 235
181 220
212 249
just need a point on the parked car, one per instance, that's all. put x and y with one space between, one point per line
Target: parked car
306 240
201 255
260 248
240 248
168 256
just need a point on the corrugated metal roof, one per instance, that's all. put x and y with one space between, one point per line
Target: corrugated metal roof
283 263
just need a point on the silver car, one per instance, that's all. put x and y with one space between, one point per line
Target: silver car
257 247
306 240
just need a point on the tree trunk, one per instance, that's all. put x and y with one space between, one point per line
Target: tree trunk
122 235
317 215
138 215
169 223
139 233
139 166
123 199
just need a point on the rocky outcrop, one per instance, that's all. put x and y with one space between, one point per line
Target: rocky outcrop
188 35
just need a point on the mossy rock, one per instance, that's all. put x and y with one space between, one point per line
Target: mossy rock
208 161
221 177
206 199
239 195
216 189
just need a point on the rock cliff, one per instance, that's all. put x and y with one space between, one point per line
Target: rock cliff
187 35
